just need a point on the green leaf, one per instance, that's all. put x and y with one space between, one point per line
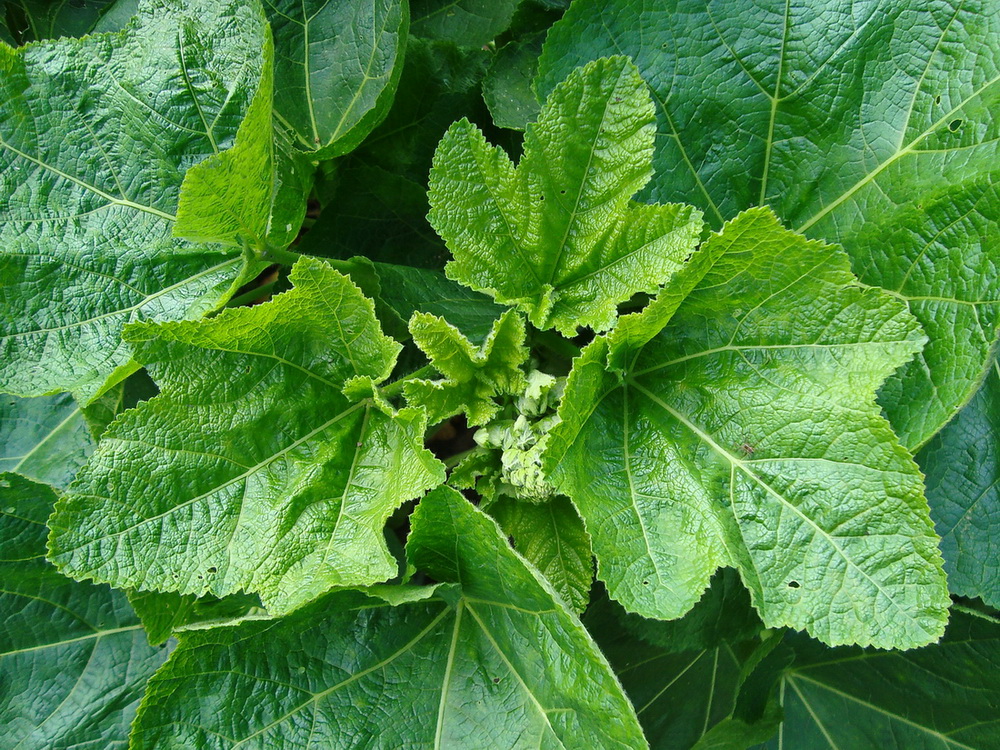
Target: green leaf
251 470
252 193
163 613
551 537
45 439
493 660
507 87
941 696
73 658
471 23
35 20
746 434
558 236
338 64
962 464
86 244
473 376
874 126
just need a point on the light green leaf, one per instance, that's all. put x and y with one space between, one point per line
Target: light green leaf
551 537
942 696
473 376
253 193
746 434
872 125
962 464
471 23
338 64
86 243
45 439
493 660
73 658
251 470
558 236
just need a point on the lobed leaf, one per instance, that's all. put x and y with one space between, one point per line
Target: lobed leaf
489 659
746 434
86 245
872 125
558 236
251 470
74 661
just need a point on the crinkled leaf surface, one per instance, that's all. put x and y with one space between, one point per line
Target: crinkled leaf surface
473 376
251 470
95 137
551 537
871 124
43 438
746 434
942 696
558 236
471 23
493 660
962 467
338 64
73 658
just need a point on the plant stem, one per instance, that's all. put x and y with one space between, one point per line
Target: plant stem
452 461
396 387
255 294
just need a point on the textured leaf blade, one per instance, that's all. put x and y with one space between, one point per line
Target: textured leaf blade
874 126
339 64
941 696
962 464
731 437
558 236
73 658
492 661
45 439
471 23
251 470
86 242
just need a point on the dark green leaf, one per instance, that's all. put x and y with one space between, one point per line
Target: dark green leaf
45 438
508 89
35 20
471 23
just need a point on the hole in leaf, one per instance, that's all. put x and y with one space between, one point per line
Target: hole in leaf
496 680
645 583
793 584
937 99
954 125
213 570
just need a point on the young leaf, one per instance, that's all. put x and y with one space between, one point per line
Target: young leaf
945 695
338 63
874 126
551 537
492 660
73 658
251 470
962 464
558 236
45 439
95 137
746 434
474 376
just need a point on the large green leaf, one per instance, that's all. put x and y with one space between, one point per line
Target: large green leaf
492 660
942 696
34 20
962 464
95 138
874 125
338 63
558 236
43 438
73 658
251 470
746 434
471 23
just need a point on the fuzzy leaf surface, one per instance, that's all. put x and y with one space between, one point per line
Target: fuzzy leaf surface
491 660
746 434
558 236
95 137
44 438
251 470
338 63
942 696
962 466
874 125
473 375
74 660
